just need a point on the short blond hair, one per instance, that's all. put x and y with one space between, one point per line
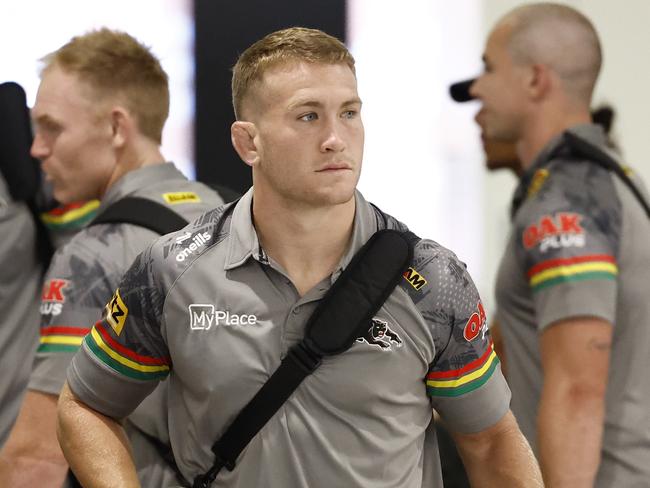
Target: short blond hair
292 44
114 64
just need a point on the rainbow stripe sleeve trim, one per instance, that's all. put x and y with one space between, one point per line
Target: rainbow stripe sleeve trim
463 380
74 215
123 360
61 338
556 271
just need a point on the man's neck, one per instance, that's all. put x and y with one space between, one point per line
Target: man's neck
132 158
308 242
543 129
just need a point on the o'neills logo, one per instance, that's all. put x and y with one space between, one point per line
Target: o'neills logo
203 316
197 241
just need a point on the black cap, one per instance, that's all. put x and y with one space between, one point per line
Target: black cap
460 91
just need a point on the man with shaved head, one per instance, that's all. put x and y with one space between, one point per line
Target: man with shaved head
574 322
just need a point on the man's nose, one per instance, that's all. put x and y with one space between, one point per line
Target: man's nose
39 149
333 139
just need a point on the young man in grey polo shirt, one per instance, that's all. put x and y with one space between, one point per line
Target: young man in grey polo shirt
572 284
98 118
218 315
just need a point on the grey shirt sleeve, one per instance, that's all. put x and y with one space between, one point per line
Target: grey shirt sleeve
567 241
76 288
124 356
464 380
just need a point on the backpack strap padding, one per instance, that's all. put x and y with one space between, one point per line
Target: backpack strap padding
143 212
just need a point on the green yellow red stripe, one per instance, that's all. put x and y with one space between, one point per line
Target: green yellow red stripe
61 338
122 359
72 215
555 271
463 380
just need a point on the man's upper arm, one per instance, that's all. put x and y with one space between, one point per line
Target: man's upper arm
124 356
575 354
75 290
464 381
567 244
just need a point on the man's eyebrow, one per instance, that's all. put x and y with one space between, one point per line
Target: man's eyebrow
305 102
42 118
308 103
353 101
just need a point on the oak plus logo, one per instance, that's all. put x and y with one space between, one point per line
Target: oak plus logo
196 242
203 316
53 298
553 232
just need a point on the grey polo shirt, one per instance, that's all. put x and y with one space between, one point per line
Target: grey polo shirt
579 247
84 273
209 306
20 280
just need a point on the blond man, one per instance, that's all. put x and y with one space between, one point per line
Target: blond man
359 420
98 118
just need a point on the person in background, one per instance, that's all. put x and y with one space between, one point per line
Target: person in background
98 119
573 320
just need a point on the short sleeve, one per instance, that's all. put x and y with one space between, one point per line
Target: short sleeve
74 292
124 356
464 381
567 243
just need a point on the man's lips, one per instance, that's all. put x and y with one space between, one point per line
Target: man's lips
334 167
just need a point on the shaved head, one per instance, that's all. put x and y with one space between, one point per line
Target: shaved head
561 38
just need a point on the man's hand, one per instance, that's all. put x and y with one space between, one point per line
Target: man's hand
32 456
575 359
499 456
95 445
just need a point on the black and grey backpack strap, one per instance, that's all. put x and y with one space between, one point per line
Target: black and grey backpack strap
341 316
143 212
582 149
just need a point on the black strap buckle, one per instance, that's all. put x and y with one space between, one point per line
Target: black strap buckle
205 480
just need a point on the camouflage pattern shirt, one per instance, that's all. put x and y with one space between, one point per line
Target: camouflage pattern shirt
210 309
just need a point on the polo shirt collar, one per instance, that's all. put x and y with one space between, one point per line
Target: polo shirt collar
135 180
244 242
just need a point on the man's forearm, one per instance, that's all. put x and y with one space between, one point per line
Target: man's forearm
94 445
32 456
499 457
570 429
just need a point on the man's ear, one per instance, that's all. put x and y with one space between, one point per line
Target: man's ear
122 125
243 137
540 81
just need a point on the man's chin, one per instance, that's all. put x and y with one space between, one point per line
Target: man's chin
66 197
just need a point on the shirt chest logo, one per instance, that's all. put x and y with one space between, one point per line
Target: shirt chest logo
197 241
204 316
381 335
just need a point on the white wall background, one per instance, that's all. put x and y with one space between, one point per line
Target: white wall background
30 29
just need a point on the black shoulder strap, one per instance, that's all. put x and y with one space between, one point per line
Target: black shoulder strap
343 314
583 149
140 211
